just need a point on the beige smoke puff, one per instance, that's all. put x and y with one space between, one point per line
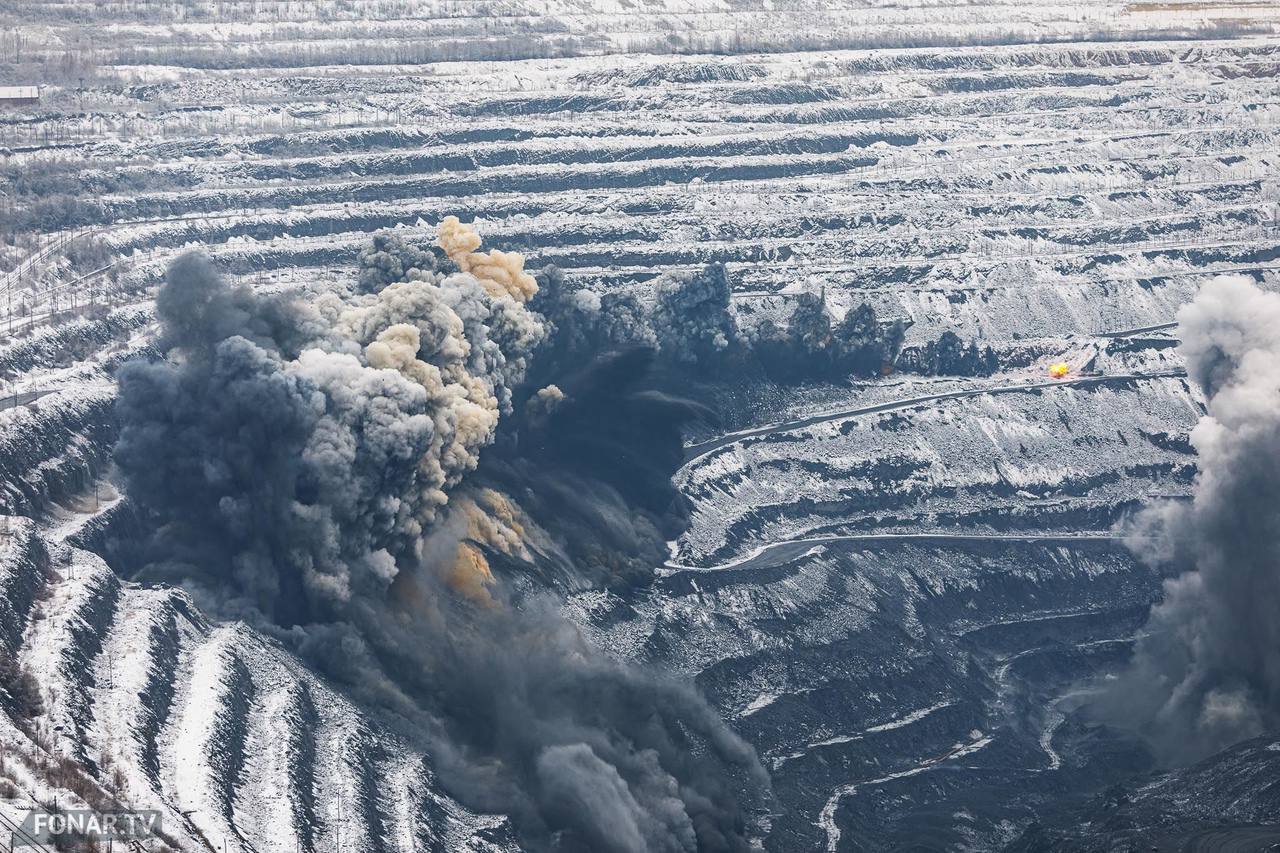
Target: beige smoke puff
456 239
470 574
465 412
545 401
397 349
501 273
492 522
465 346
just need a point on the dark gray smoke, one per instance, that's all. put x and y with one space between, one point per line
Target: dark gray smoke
318 470
584 754
594 460
1206 672
813 344
391 258
692 319
290 478
684 317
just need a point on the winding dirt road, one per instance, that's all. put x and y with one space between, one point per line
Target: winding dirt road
695 452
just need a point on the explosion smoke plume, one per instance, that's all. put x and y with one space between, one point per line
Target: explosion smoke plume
330 473
1206 671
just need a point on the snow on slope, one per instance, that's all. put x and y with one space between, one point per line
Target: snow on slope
232 738
1033 194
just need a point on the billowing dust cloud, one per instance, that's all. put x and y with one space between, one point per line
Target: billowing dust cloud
367 474
501 273
1206 670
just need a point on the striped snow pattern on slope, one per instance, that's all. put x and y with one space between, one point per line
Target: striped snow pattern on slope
233 738
24 562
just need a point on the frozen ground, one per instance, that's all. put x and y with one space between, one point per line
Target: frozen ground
1051 180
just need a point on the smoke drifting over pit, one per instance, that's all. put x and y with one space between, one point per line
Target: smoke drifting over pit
1206 670
353 474
291 448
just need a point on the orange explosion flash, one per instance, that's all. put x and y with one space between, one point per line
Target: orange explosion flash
1059 370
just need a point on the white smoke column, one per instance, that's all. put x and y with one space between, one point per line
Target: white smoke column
1206 672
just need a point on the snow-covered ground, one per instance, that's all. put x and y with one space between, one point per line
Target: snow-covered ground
1053 180
214 725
